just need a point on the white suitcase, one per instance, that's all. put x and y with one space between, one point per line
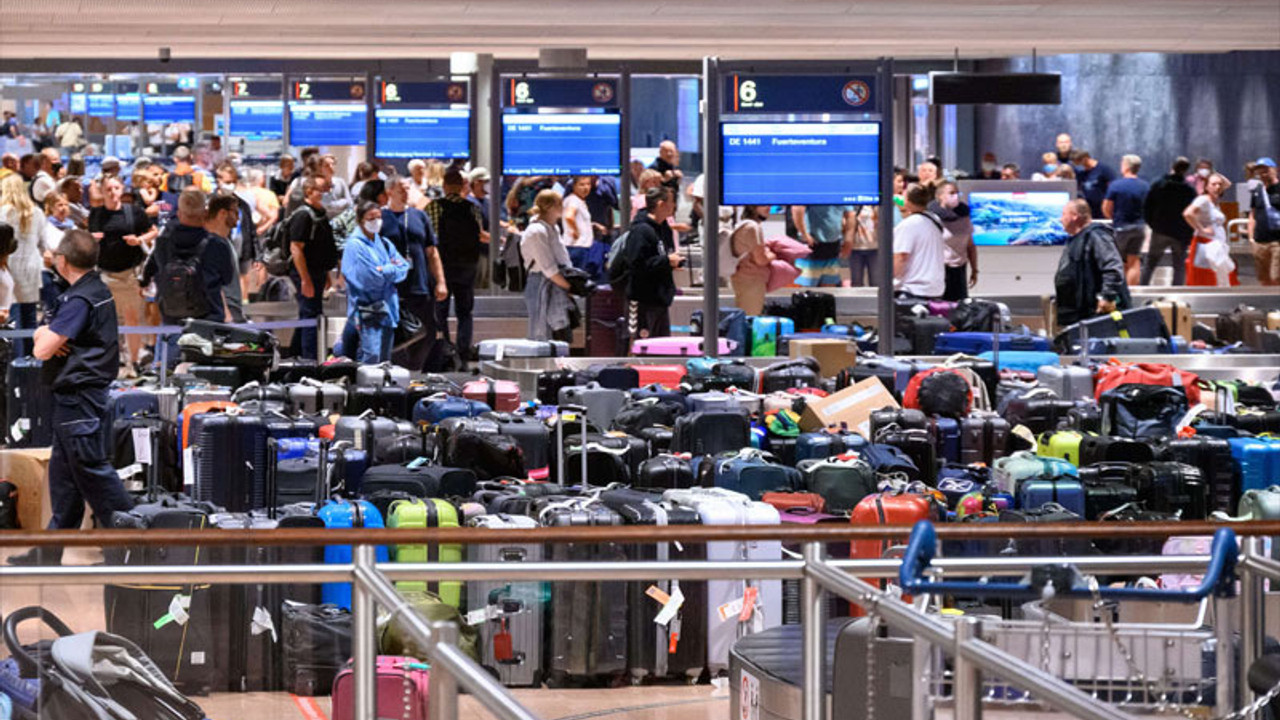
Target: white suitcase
521 348
1070 382
717 506
383 374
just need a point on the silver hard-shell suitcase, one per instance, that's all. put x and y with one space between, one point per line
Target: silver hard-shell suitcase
510 608
1070 382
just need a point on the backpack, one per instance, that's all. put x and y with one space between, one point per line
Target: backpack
180 290
177 183
939 391
276 256
616 263
457 233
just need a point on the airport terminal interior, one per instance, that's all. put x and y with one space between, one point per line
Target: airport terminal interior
815 360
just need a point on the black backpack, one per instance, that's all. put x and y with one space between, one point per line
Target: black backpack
180 289
458 233
276 255
974 315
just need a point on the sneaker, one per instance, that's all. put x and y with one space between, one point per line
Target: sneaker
35 558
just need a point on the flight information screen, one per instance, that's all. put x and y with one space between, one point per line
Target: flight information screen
257 119
169 108
561 144
327 124
800 163
423 133
129 107
102 105
79 103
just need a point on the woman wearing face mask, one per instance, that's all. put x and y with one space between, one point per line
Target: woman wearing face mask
959 252
372 267
1210 226
1048 166
1199 177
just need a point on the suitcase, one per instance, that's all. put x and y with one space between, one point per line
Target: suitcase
1068 493
1063 444
1258 422
374 435
983 439
607 331
666 375
601 403
231 345
1046 545
721 507
1176 488
765 331
382 374
420 514
1027 361
714 401
1177 316
610 458
313 396
1069 382
923 333
339 369
125 402
316 645
1217 468
802 373
1008 472
893 374
812 310
733 326
1241 325
1039 414
438 408
1128 346
501 395
497 350
29 407
827 443
587 621
420 480
711 433
1103 448
511 633
1142 322
385 400
674 648
268 398
917 445
223 375
230 451
616 377
346 514
678 346
666 472
974 343
886 509
550 382
293 371
400 686
659 439
945 433
750 472
247 616
841 481
660 393
530 434
489 454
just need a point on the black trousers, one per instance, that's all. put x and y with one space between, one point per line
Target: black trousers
461 282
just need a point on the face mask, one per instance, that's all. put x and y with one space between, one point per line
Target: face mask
226 186
1049 168
373 227
1203 172
988 167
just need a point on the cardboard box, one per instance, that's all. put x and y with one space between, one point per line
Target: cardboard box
852 407
1177 317
28 469
832 354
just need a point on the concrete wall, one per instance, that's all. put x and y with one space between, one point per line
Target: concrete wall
1225 107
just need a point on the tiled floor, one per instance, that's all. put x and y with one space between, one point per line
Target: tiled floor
80 606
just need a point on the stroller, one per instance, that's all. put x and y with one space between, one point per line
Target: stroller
85 676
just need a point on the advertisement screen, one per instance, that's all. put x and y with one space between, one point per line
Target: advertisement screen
800 163
1017 218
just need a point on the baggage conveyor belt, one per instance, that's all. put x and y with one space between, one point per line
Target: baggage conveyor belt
1256 368
772 659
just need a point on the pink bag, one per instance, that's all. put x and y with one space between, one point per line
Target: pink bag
501 395
401 687
788 249
681 346
1184 545
941 308
781 274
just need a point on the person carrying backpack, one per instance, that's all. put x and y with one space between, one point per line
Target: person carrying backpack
460 235
184 175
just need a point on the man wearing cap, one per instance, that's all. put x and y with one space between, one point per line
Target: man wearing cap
478 194
1264 222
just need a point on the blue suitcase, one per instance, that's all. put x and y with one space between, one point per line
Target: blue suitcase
765 331
1257 462
1023 360
432 410
1140 322
231 461
1128 346
753 475
1067 493
346 514
822 445
946 436
122 403
662 393
972 343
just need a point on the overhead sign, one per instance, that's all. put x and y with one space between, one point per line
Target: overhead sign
343 90
560 92
437 92
254 88
745 93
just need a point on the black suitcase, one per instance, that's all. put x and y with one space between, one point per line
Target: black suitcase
250 646
164 449
339 370
616 377
1104 448
1085 418
659 439
1212 456
317 644
29 405
1258 421
231 461
386 400
1141 322
923 333
1103 496
905 419
299 426
711 433
983 439
222 375
587 636
918 446
232 345
371 433
420 480
530 433
294 370
812 310
490 455
271 397
1039 414
677 649
1176 488
666 472
550 382
800 373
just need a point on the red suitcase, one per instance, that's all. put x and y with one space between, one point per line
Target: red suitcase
784 501
669 376
886 509
500 395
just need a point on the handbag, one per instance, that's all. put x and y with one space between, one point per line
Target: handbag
409 329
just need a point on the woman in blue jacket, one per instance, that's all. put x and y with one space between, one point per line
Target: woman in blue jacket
372 267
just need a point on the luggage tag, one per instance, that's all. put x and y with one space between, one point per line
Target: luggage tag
502 646
178 608
671 604
673 636
262 623
142 445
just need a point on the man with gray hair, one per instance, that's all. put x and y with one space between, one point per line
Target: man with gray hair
1123 205
1090 277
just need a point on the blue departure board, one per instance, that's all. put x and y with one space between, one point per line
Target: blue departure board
327 124
129 106
169 108
561 144
79 103
102 105
257 119
800 163
423 133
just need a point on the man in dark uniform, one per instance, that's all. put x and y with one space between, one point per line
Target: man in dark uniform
80 349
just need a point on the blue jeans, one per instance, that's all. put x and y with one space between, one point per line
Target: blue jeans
375 343
23 316
862 262
79 470
304 340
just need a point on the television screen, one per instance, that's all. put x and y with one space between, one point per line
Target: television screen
79 103
1017 217
257 119
129 107
102 105
327 124
800 163
169 108
561 144
423 133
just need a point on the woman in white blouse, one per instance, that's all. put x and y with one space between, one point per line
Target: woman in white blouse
21 212
1210 226
544 254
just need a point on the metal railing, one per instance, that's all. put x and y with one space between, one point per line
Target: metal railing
452 668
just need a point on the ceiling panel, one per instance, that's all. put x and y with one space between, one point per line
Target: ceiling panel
644 29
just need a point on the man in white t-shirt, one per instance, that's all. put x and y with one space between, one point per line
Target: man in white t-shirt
919 266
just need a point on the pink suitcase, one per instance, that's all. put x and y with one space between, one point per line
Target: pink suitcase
402 687
501 395
669 376
681 346
941 308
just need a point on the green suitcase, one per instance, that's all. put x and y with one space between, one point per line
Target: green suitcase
1064 444
420 514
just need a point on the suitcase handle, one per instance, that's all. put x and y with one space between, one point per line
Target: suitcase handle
1219 577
